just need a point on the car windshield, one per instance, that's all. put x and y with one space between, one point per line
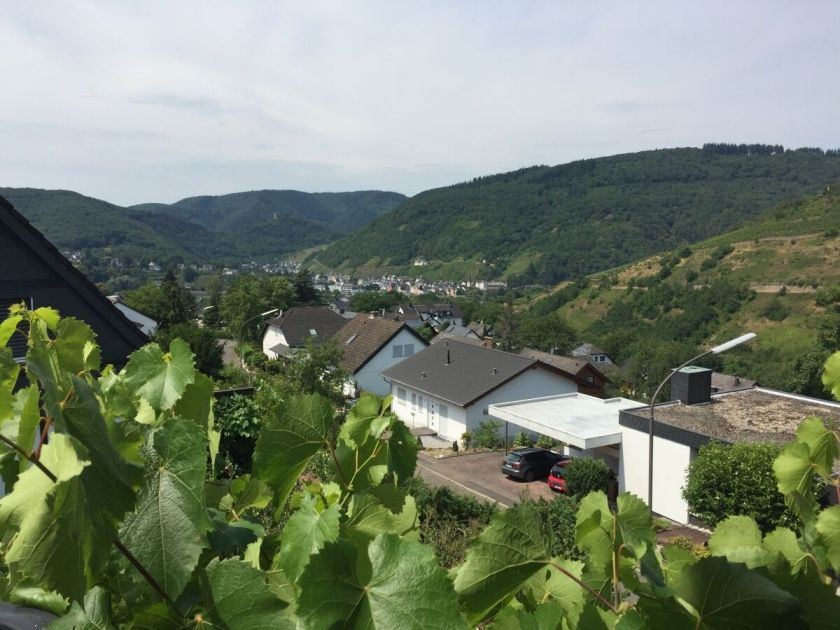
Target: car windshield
559 471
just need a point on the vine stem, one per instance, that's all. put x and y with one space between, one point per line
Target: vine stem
117 543
585 587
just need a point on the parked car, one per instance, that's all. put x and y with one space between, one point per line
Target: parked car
529 463
557 476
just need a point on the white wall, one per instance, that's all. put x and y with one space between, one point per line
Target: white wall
450 427
670 466
369 378
273 336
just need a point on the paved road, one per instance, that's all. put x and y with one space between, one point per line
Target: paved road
479 475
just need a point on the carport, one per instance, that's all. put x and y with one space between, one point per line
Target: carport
585 423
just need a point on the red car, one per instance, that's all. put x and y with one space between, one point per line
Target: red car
557 476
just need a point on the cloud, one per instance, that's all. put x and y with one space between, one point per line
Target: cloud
158 100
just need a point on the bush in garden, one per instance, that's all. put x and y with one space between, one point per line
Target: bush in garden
727 480
558 517
521 440
466 440
545 442
585 475
486 434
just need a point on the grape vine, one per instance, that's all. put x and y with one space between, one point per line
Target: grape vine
111 518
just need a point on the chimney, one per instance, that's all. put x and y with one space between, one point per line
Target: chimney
692 385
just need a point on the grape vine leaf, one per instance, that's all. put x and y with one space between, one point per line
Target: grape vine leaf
166 533
45 527
288 441
720 594
823 449
552 586
357 425
402 449
365 466
545 616
239 599
34 597
306 532
505 555
94 615
390 583
9 370
783 542
794 472
160 378
831 375
384 509
828 526
28 413
738 539
8 327
196 404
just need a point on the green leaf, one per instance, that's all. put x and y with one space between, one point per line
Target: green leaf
782 541
94 615
552 586
306 532
364 467
8 327
382 510
593 532
26 408
819 604
160 378
288 442
402 451
794 474
505 555
738 539
167 531
197 402
247 491
719 594
35 597
71 346
634 525
230 538
9 371
110 481
357 425
239 598
46 530
392 584
823 447
544 617
828 526
831 375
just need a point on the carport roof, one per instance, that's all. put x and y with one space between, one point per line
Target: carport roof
576 419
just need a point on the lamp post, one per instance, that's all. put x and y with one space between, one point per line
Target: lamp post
242 329
716 350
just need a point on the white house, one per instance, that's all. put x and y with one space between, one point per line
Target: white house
372 345
593 353
449 386
697 417
293 329
145 323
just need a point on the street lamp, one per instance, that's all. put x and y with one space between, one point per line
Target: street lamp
716 350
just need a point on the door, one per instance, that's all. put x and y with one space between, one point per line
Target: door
433 416
422 417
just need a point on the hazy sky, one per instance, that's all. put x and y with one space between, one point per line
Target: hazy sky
155 101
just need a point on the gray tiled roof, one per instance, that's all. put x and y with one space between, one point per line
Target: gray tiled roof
363 336
298 323
472 371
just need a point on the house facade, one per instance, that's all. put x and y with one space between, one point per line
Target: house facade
372 345
292 330
592 353
449 386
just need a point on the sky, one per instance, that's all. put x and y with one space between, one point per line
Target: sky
153 101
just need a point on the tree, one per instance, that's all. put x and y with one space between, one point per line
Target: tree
808 370
212 314
148 299
202 341
305 292
247 297
551 333
370 301
584 475
178 303
507 328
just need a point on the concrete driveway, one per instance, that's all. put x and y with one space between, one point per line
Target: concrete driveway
479 475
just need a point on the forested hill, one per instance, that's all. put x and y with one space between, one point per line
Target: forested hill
545 224
229 229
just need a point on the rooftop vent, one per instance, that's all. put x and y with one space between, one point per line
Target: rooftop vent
692 385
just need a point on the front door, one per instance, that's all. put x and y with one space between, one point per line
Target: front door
433 416
422 418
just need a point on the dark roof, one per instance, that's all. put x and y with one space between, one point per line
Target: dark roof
587 350
298 322
573 366
363 336
747 415
449 336
472 372
73 279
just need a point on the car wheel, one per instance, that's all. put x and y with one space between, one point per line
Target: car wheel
529 475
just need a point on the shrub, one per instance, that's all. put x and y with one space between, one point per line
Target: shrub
739 479
466 439
486 433
775 311
684 542
545 442
691 275
558 517
521 440
202 341
585 475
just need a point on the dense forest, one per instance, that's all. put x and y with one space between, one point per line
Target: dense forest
228 229
545 224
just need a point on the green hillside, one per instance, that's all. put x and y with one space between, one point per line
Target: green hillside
768 277
544 224
261 225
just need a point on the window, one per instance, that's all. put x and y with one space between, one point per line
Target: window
443 411
401 395
398 351
413 402
408 349
402 350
